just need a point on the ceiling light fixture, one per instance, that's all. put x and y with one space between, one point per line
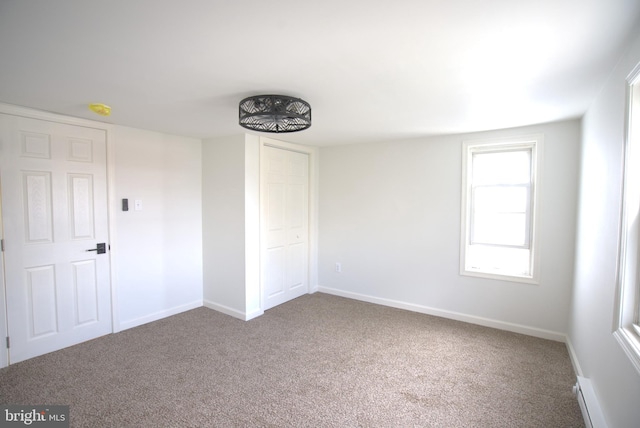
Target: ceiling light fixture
275 113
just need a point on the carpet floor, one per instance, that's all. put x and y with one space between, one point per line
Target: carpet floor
316 361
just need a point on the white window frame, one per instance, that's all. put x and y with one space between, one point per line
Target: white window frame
534 143
626 328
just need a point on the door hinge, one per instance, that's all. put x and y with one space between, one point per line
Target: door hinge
8 343
1 244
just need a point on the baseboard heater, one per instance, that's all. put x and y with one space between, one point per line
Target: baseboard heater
589 404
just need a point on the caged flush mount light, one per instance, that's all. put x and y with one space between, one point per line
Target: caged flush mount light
275 113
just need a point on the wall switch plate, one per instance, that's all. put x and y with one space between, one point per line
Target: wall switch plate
338 267
138 205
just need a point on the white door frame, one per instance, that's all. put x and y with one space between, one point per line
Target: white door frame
4 329
108 129
312 152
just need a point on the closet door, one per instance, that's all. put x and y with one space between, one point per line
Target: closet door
285 226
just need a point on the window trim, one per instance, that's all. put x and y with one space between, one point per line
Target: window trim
535 142
626 325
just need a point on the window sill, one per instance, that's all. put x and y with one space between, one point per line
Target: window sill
630 342
500 277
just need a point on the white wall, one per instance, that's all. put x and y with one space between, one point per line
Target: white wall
599 355
253 294
231 225
157 252
223 222
390 214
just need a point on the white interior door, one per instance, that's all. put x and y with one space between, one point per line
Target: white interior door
285 261
54 200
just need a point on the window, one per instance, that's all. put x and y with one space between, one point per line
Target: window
498 208
627 322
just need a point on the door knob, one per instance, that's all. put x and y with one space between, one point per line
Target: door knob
101 248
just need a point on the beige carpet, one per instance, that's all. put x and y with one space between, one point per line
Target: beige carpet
317 361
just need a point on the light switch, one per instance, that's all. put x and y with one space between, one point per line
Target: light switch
138 205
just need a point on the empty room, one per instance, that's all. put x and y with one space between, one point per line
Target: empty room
305 213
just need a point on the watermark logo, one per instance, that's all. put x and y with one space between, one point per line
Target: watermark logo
34 416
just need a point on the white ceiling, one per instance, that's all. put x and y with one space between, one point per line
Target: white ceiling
371 69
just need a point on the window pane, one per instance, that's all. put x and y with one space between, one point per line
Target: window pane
499 228
500 199
511 167
499 260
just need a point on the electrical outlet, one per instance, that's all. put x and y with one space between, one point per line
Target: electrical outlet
338 267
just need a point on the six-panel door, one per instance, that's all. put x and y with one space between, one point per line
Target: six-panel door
54 201
285 225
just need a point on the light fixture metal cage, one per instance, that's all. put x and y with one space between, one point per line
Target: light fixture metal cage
275 113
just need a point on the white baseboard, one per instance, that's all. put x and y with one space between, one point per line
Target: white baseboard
159 315
471 319
232 312
574 358
254 314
